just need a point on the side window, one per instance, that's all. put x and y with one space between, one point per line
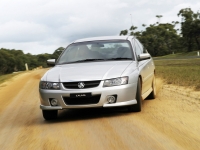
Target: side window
141 47
137 48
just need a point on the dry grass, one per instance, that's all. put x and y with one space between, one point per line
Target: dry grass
6 77
183 72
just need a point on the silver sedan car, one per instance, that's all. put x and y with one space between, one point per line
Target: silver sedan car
105 72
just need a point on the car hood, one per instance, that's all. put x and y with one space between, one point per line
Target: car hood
87 71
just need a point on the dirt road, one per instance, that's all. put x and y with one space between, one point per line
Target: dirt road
171 122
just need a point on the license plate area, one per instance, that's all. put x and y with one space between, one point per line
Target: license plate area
80 95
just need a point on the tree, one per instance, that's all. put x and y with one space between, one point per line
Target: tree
160 40
190 28
132 28
42 59
123 32
165 38
57 52
159 16
144 25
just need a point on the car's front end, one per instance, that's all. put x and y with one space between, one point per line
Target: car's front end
85 92
98 73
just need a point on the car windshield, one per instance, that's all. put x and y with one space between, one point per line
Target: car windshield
97 51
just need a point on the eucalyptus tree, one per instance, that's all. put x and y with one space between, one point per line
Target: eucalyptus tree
190 28
158 39
14 60
123 32
161 39
144 25
57 52
132 28
159 16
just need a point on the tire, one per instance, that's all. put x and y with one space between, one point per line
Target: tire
49 114
152 95
137 107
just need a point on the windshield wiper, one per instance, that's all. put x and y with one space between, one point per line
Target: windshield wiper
84 60
119 58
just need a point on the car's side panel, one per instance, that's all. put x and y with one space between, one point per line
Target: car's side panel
144 72
146 68
148 78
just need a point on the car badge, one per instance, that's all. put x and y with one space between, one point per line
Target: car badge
81 85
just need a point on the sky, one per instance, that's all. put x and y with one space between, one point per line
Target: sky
42 26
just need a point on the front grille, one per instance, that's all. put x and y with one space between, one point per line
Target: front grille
82 100
88 84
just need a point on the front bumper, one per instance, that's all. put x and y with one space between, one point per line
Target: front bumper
131 102
125 96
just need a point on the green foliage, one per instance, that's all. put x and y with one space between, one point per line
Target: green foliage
57 52
133 28
124 32
190 28
14 60
162 39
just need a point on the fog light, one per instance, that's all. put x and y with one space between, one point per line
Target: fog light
111 99
54 102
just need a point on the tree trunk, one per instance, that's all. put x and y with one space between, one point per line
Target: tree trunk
189 44
197 41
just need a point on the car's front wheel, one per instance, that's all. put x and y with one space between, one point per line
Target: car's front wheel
137 107
49 114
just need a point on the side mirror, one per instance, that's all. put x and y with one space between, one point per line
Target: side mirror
51 62
144 56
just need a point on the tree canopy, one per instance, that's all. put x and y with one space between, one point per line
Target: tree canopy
14 60
164 38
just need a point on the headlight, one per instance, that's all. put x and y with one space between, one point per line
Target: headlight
49 85
115 82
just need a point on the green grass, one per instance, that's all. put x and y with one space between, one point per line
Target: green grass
183 72
180 55
6 77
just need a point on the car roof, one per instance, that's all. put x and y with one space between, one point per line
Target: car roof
103 38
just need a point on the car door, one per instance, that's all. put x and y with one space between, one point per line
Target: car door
144 68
